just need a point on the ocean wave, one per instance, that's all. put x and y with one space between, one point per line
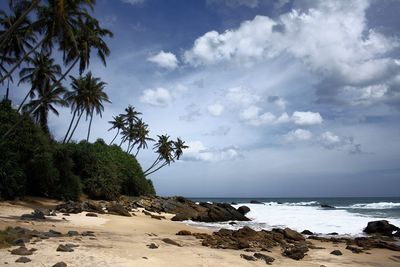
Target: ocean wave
375 206
306 203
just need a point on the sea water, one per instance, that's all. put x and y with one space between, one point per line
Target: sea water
349 217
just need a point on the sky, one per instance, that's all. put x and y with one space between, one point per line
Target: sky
275 98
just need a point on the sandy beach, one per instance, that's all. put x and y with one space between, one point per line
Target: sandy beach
122 241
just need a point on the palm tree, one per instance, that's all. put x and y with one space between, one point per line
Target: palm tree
142 136
131 115
14 46
45 102
179 146
117 123
41 72
165 150
88 97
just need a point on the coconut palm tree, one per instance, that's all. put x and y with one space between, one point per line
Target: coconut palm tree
45 102
131 115
40 72
142 136
179 146
165 150
88 97
117 123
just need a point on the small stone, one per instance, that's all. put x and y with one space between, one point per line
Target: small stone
354 249
88 233
23 260
171 242
22 251
152 246
266 258
60 264
337 252
91 214
73 233
248 257
64 248
184 232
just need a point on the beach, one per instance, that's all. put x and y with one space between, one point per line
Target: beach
123 241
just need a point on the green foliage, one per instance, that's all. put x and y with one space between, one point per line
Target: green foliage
107 171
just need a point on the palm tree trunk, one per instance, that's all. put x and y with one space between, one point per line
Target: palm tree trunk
65 74
137 152
70 125
16 65
129 145
164 164
114 138
154 164
90 125
120 144
5 35
76 125
23 101
8 89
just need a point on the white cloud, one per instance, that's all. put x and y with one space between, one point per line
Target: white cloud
160 97
330 140
165 60
306 118
348 51
215 109
253 116
242 96
298 135
193 113
133 2
198 152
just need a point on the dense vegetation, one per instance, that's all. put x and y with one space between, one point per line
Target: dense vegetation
33 34
31 163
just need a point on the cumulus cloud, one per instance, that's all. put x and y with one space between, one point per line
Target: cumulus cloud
235 3
242 96
159 97
330 140
253 116
278 101
165 60
348 54
133 2
306 118
198 152
215 109
298 135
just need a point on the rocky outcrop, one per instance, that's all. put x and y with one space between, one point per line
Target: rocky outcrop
243 210
117 209
296 252
256 202
326 206
78 207
37 214
382 227
336 252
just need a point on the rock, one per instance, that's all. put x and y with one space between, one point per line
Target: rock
296 252
354 249
88 233
243 210
35 215
397 233
219 212
307 232
291 234
248 257
266 258
72 233
118 209
180 217
23 260
256 202
91 214
60 264
171 242
52 233
232 223
337 252
234 203
65 248
326 206
382 227
22 251
184 232
333 233
157 217
152 246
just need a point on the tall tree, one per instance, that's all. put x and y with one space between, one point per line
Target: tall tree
142 136
117 123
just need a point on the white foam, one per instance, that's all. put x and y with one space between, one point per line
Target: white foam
376 206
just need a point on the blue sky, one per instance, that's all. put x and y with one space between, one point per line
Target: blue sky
275 98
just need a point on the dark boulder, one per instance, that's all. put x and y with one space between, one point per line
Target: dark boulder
21 251
60 264
247 257
118 209
293 235
354 249
243 210
382 227
256 202
326 206
337 253
65 248
266 258
307 232
296 252
91 214
171 242
184 232
35 215
180 217
23 260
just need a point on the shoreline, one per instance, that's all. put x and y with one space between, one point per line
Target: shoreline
123 241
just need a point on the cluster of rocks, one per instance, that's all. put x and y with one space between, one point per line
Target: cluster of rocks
383 228
185 209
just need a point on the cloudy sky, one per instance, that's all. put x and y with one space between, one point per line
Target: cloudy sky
275 98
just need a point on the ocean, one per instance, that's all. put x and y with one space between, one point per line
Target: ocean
349 217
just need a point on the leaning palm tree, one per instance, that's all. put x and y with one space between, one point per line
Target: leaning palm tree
88 97
45 102
117 123
131 115
165 150
41 71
